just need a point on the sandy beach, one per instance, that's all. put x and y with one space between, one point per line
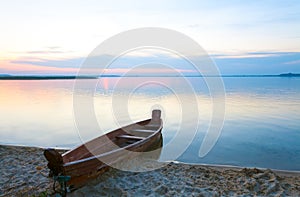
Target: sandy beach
24 173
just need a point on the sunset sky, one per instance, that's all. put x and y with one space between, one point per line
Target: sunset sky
242 37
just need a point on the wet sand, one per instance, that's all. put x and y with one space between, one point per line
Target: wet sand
24 173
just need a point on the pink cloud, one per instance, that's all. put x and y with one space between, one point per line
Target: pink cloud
13 68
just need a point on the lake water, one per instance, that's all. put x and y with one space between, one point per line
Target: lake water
261 128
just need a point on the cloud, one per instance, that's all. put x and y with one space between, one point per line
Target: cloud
293 62
58 63
127 61
21 69
231 63
250 55
258 62
45 50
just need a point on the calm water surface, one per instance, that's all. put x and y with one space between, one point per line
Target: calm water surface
261 128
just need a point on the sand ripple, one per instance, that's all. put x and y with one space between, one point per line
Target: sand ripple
188 180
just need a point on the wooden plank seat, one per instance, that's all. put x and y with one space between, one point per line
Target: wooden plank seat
143 130
152 126
132 137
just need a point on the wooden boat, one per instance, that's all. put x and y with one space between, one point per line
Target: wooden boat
94 157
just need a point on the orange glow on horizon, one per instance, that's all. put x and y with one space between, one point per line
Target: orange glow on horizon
6 67
11 68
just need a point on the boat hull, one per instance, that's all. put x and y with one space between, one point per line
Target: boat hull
96 167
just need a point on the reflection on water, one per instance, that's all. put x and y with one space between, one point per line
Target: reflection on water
262 123
36 113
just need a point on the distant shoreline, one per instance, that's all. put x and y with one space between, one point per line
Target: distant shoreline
12 77
47 77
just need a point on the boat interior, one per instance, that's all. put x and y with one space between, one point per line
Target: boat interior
121 138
